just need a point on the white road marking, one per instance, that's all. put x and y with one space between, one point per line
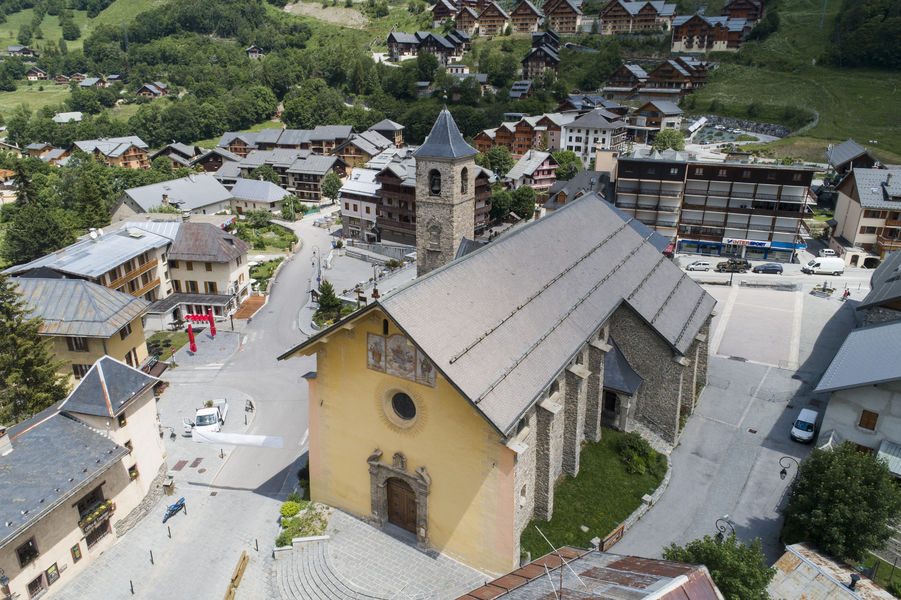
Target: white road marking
303 440
244 341
794 348
753 397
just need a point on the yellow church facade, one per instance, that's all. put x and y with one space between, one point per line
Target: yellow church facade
438 469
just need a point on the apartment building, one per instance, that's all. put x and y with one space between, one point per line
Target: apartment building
196 194
867 222
716 208
563 16
751 10
538 132
539 61
535 169
129 152
619 16
493 20
321 140
130 260
360 148
73 476
700 33
526 17
300 171
597 129
359 201
85 321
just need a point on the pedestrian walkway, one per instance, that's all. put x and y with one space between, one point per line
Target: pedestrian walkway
359 562
250 306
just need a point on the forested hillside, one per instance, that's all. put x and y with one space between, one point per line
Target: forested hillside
867 33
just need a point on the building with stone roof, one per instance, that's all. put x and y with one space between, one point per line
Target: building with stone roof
73 478
458 412
867 221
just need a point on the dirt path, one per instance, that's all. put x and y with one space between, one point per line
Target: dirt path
345 17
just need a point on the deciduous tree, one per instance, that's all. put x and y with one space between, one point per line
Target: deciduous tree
669 139
739 570
842 501
331 185
568 164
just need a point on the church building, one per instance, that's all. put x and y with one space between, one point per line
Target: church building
452 406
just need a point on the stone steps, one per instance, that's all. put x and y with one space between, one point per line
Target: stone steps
309 575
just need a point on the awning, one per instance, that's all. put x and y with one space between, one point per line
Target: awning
619 376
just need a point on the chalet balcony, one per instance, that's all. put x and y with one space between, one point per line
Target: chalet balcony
888 244
97 516
150 264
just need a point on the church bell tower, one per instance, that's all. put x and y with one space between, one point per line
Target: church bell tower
445 194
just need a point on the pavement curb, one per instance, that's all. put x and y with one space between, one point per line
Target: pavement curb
647 501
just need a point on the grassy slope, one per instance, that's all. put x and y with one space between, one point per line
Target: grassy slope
50 26
850 102
28 93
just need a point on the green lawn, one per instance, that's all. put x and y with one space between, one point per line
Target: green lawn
30 94
123 11
175 339
785 70
263 272
885 575
49 26
600 498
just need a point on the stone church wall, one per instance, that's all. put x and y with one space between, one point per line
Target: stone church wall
660 394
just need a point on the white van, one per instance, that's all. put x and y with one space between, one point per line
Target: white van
825 266
805 426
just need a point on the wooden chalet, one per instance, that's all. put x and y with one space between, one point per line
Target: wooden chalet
625 82
493 19
750 10
621 16
442 11
539 61
563 16
699 33
526 17
467 20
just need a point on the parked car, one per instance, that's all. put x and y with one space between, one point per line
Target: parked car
211 417
827 252
733 265
805 426
698 265
825 266
775 268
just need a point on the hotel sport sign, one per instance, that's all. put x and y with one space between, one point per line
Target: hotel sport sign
749 243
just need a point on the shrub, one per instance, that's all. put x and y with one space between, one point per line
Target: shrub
294 497
637 454
290 509
393 263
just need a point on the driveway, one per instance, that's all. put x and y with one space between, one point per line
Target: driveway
232 493
727 462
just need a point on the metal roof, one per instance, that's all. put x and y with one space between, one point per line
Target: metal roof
387 125
885 283
53 457
78 308
543 290
862 358
68 117
114 146
187 193
361 182
445 140
93 257
595 575
666 107
314 164
107 389
802 572
844 152
256 190
619 375
528 164
878 189
598 118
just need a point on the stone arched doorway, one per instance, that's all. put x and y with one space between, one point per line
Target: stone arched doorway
401 504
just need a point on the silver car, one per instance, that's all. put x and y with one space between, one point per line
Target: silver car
698 265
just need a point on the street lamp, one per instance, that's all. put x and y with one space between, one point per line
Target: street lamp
785 465
723 524
317 260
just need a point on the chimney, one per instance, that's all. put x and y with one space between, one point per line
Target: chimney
6 445
165 199
854 579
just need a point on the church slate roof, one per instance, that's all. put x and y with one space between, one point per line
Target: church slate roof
445 140
543 290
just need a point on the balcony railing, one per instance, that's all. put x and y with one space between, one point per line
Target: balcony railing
888 243
150 264
97 516
143 290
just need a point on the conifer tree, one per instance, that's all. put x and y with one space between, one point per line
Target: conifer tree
29 381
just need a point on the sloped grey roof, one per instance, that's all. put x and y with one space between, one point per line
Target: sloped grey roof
228 170
528 163
107 388
520 88
885 283
497 7
54 456
314 164
92 258
844 152
188 193
258 191
468 246
68 117
370 142
543 290
531 7
713 21
619 375
331 132
387 125
361 182
403 38
229 136
544 48
206 243
862 359
225 154
598 118
79 308
114 146
583 181
445 140
666 107
879 189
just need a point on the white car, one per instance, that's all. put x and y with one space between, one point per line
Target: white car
698 265
805 426
827 252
